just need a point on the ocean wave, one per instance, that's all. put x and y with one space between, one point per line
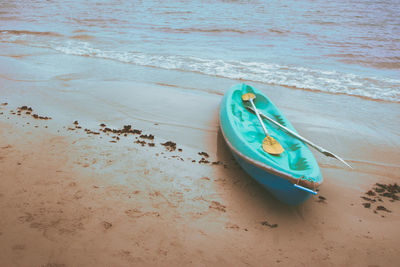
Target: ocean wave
264 32
383 62
274 74
177 12
202 30
83 37
292 76
24 32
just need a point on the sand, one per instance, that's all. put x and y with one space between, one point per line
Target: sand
74 193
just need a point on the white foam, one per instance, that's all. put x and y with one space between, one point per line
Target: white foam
284 75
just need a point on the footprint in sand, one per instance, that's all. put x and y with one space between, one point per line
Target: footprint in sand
217 206
232 226
78 194
106 225
136 213
18 247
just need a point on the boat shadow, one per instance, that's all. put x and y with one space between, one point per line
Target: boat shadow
240 188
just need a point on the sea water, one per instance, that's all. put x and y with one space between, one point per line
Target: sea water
336 47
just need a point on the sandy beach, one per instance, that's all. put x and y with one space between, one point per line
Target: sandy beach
110 147
139 175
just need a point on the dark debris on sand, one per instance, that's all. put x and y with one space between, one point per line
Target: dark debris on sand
24 108
382 208
203 161
142 143
88 131
366 205
36 116
265 223
203 154
169 145
147 136
321 199
126 130
380 192
76 123
28 111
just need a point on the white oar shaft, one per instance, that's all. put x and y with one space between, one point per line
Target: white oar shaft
258 116
320 149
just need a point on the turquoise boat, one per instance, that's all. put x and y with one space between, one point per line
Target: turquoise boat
292 176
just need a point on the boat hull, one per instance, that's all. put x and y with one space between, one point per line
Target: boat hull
291 177
280 188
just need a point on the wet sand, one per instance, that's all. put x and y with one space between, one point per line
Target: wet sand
112 173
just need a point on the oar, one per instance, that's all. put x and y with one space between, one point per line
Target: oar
270 144
320 149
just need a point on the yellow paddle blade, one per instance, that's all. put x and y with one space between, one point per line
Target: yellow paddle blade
248 96
271 146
